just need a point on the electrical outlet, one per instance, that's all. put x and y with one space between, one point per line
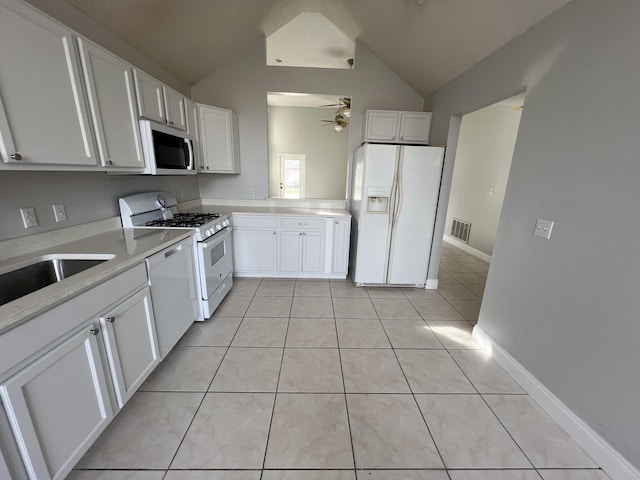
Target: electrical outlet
252 192
543 228
29 218
59 212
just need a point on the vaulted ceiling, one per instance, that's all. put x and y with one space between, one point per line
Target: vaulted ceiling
427 43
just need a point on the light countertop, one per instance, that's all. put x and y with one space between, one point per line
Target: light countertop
282 211
129 247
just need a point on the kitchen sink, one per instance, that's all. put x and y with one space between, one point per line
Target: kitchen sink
43 271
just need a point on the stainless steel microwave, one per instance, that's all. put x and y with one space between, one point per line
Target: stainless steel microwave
167 151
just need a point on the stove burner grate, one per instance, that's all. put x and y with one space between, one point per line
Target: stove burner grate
184 220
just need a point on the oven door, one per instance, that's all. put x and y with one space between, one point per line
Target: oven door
215 261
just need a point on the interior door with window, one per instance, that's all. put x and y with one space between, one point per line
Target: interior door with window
292 175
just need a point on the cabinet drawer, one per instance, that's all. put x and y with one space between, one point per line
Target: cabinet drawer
303 223
254 222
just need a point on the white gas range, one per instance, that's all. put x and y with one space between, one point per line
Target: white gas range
212 237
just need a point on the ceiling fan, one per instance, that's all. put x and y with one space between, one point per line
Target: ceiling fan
343 113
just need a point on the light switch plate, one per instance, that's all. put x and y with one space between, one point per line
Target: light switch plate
59 212
543 228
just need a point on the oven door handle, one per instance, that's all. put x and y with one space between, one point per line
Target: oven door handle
226 230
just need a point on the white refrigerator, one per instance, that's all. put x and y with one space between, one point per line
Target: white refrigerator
393 204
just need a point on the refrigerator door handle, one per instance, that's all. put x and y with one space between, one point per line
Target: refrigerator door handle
397 206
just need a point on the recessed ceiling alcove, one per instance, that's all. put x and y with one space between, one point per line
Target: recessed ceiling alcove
310 40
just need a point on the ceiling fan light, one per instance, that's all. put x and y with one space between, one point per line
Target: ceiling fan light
346 113
338 128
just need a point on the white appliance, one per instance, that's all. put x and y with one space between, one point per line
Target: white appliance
167 151
394 200
174 293
212 241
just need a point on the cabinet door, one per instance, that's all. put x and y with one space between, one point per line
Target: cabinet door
340 260
114 113
255 251
44 118
219 140
59 405
174 108
415 127
150 98
132 347
191 116
313 251
291 251
381 126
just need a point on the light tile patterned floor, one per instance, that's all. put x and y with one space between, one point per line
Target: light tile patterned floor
315 380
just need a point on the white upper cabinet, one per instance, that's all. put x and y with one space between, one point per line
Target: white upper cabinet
191 116
219 140
158 102
112 102
150 97
381 126
415 127
174 108
44 119
387 126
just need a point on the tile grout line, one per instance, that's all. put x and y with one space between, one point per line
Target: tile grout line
207 389
413 395
275 395
494 413
344 387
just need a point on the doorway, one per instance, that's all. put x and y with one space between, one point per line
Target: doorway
483 155
293 169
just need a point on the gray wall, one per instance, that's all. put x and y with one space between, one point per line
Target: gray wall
242 83
567 308
86 196
301 130
485 149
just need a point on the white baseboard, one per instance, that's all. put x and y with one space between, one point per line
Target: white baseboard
607 457
432 284
470 250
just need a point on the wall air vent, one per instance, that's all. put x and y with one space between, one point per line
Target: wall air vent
460 230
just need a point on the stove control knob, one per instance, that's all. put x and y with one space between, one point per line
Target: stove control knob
225 223
207 232
218 227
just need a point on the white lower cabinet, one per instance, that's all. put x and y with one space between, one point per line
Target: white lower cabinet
269 245
341 242
255 250
59 404
58 389
291 251
302 251
131 344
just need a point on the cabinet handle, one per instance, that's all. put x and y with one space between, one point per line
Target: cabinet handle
169 122
109 162
401 138
393 138
16 156
275 233
94 331
110 319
